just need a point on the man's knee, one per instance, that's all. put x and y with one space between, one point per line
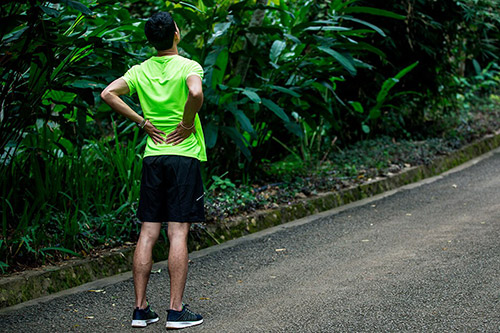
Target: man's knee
178 230
150 230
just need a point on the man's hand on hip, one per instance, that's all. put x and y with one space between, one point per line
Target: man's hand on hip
181 133
155 134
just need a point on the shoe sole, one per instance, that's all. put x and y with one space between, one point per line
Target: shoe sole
182 324
144 323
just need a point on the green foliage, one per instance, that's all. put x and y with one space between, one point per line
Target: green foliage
221 184
446 38
64 199
299 50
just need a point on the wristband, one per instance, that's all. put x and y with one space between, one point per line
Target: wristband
186 128
142 124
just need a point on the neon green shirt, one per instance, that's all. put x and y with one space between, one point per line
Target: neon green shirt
160 83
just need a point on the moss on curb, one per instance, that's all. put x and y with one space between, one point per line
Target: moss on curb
29 285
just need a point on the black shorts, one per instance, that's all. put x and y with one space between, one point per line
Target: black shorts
171 190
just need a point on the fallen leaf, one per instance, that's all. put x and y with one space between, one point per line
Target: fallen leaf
204 298
240 281
454 186
273 277
158 271
280 250
408 214
365 240
96 290
89 317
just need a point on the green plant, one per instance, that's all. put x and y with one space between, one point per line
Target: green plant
299 51
381 101
221 184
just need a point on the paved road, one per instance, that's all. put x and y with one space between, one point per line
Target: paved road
424 258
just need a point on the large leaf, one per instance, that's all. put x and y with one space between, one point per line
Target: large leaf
219 30
276 109
374 27
241 118
239 140
323 25
326 28
373 11
347 63
57 96
362 46
294 128
210 132
193 7
389 83
250 94
75 5
220 68
357 106
285 90
50 11
276 49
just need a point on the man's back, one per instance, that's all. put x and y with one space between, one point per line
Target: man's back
160 83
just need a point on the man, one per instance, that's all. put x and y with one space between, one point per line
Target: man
169 88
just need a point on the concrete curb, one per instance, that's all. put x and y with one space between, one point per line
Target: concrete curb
33 284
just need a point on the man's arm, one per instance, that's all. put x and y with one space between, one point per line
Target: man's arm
111 95
192 106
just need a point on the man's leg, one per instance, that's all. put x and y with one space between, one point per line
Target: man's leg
143 260
177 262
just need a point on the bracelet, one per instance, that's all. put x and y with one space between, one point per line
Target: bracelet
143 123
186 128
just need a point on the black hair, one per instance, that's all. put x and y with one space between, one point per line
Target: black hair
160 30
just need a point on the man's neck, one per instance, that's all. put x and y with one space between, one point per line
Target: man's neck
169 52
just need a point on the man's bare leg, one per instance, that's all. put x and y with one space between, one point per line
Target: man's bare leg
143 260
177 262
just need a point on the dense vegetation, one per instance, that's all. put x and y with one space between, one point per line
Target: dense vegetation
287 85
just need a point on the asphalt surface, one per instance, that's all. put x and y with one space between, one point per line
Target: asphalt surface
424 258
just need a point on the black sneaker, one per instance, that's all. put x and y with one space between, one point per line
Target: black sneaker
143 317
183 319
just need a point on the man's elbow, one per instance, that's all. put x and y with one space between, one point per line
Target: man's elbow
196 94
105 95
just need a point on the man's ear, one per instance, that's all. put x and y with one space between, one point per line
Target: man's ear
177 34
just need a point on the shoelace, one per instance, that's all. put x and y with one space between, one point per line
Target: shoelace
191 313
